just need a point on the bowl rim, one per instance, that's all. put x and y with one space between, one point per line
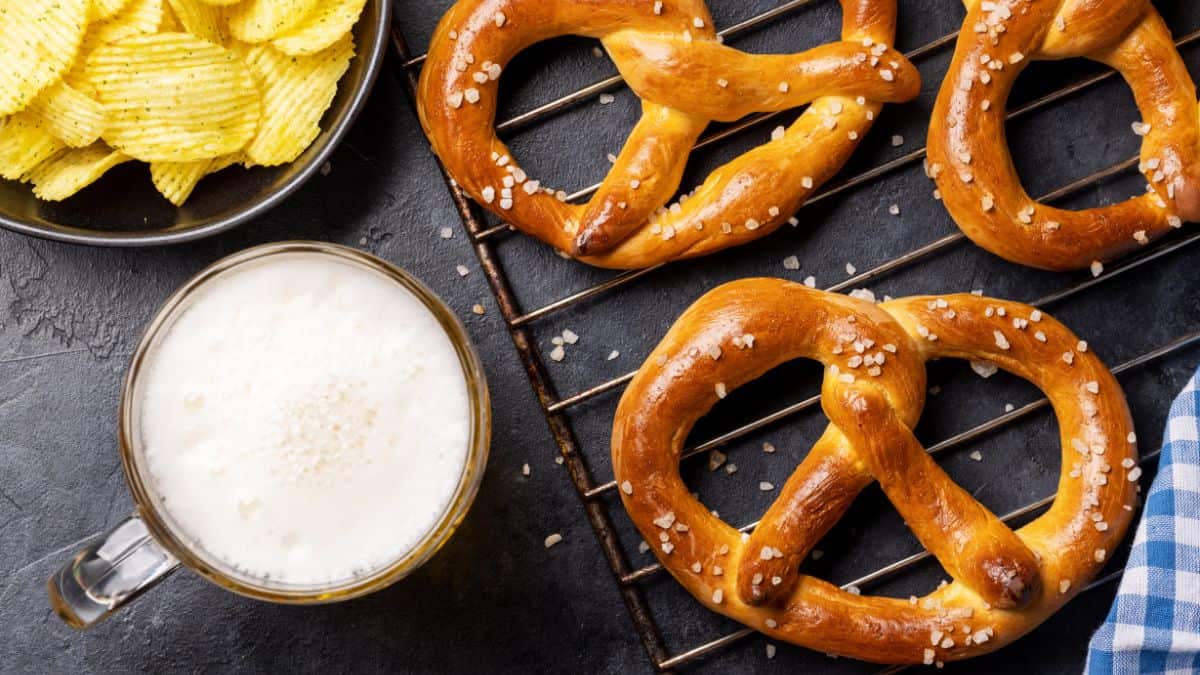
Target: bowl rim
373 63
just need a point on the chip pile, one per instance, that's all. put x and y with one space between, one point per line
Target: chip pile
188 86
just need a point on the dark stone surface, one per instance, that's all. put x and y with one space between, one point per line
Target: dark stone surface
494 599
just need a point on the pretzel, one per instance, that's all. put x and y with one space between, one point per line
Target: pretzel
970 161
673 60
1005 582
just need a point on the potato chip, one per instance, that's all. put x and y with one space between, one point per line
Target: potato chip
136 17
199 19
320 29
297 90
100 10
170 22
73 169
70 115
176 180
172 97
88 84
23 145
262 20
38 42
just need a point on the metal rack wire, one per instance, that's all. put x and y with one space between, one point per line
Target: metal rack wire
590 490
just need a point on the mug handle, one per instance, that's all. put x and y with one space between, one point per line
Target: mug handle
112 570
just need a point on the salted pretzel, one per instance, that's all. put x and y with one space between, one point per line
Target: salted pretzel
1005 582
671 57
970 161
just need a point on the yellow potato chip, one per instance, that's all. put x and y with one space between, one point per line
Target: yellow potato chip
38 42
170 22
199 19
220 3
100 10
297 90
70 115
321 28
138 17
71 170
262 20
176 180
23 145
172 97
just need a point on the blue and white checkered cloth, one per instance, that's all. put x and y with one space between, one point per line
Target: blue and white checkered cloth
1154 625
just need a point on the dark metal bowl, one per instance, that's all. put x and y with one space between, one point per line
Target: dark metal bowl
123 208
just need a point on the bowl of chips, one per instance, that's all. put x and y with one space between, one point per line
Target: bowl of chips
147 122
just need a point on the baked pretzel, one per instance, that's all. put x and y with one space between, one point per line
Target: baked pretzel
671 57
970 161
1005 582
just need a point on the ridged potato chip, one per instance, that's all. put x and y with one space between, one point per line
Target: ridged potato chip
297 90
170 22
70 115
100 10
176 180
38 42
323 27
23 145
262 20
71 170
86 85
199 19
172 97
138 17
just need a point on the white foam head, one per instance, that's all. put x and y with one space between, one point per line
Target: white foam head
304 420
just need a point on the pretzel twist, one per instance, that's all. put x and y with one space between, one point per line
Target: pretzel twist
970 161
1005 582
672 59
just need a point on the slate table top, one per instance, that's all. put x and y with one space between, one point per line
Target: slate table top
495 599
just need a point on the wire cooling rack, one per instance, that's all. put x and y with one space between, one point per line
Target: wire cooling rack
596 490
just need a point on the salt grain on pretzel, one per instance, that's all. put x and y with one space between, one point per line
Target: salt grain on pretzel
1007 582
671 57
989 203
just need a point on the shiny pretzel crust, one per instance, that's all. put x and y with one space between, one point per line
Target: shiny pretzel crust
685 78
1033 571
970 160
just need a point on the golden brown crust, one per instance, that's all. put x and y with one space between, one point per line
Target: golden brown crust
1005 582
673 61
970 161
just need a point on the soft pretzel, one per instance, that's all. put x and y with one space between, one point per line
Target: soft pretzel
672 59
1005 582
970 161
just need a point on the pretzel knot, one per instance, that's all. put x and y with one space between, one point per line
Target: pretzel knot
1005 582
673 60
970 161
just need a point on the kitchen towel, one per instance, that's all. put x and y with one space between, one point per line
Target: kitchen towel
1154 624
